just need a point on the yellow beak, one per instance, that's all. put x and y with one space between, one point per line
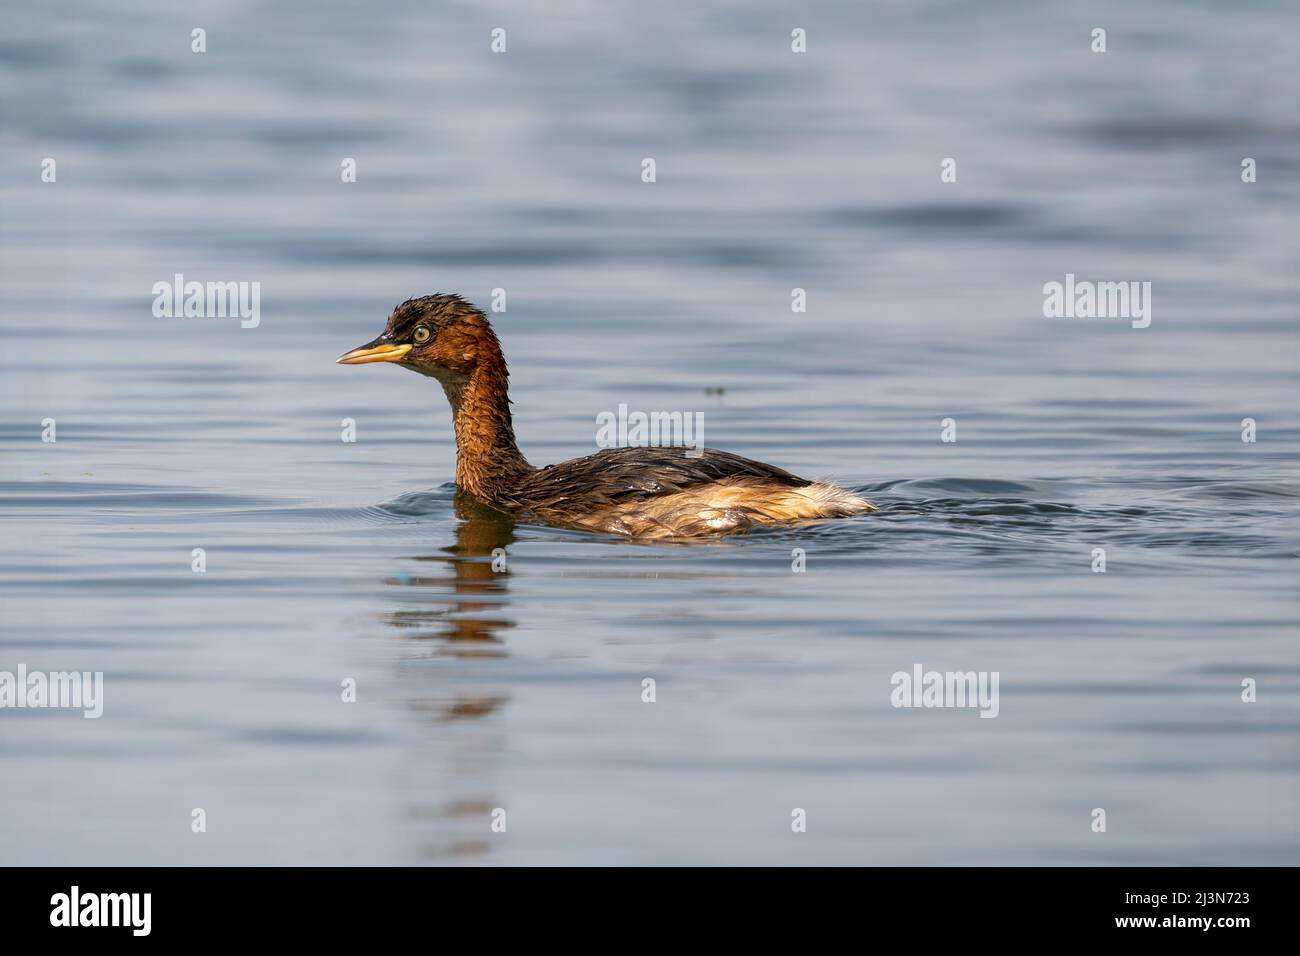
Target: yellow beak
374 353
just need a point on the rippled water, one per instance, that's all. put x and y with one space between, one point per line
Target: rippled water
521 690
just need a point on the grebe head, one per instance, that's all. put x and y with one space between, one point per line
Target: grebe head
439 335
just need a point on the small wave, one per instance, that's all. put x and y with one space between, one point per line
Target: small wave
19 495
417 504
957 486
1235 490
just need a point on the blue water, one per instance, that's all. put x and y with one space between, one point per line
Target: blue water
522 689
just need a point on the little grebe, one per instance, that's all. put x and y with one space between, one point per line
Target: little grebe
654 492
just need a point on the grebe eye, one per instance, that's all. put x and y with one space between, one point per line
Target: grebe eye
421 335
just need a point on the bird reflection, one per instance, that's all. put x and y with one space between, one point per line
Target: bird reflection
478 581
458 608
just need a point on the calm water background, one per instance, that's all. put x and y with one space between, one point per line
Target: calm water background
522 690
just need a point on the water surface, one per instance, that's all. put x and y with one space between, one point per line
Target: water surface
521 689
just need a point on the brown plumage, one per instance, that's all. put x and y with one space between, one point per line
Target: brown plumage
654 492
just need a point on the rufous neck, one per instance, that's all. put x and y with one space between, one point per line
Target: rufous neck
488 461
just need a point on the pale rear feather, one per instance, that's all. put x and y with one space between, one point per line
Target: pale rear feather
724 506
